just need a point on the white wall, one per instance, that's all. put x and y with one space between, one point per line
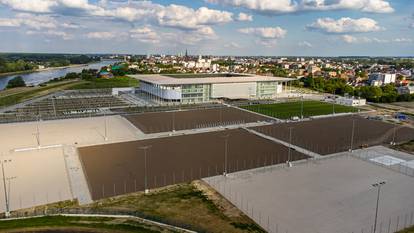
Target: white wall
168 94
234 90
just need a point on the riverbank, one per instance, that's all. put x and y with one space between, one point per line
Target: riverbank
2 75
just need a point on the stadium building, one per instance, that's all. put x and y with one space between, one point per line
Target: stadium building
198 88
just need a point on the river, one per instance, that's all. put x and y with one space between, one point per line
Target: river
35 78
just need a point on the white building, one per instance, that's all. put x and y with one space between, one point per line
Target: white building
379 79
350 101
198 88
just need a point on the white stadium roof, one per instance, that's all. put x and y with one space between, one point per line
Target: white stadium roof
161 79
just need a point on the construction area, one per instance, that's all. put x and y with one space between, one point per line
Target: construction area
329 195
120 168
334 134
192 119
312 175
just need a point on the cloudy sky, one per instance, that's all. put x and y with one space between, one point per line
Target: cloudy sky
217 27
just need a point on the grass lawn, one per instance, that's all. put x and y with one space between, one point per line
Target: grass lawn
193 206
290 109
407 147
77 224
11 97
408 230
97 83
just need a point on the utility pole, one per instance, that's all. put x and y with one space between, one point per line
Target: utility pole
226 139
145 148
378 186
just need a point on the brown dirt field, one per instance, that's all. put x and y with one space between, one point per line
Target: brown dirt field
191 119
119 168
332 135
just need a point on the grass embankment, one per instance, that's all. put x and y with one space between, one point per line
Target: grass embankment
186 204
11 97
195 206
408 230
97 83
406 147
77 224
291 109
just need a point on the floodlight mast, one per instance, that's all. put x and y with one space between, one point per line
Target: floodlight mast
377 185
290 145
145 148
226 141
352 135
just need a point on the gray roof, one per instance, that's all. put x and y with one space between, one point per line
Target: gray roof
166 80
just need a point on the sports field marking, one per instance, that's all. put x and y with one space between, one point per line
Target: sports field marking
387 160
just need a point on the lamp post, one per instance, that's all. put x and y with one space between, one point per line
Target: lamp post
226 141
378 186
145 148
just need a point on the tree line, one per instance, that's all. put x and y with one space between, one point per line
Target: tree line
384 94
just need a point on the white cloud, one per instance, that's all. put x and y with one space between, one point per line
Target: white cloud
187 18
70 25
267 36
29 20
349 39
145 34
51 32
358 40
38 6
305 44
288 6
244 17
345 25
232 45
103 35
402 40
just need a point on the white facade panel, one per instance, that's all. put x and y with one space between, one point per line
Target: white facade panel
164 92
234 90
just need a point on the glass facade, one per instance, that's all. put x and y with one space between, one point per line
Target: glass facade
195 93
266 89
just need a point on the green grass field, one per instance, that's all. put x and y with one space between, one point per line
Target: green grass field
97 83
292 109
77 224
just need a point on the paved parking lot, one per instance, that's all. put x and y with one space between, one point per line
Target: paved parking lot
326 196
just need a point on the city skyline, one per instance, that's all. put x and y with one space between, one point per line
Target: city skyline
215 27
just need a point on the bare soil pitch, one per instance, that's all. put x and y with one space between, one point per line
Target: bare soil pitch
332 135
119 168
191 119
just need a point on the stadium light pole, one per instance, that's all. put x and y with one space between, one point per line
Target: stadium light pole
6 198
145 148
226 141
301 108
378 186
333 102
393 135
352 135
290 145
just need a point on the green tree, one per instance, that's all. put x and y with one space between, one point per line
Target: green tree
16 82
